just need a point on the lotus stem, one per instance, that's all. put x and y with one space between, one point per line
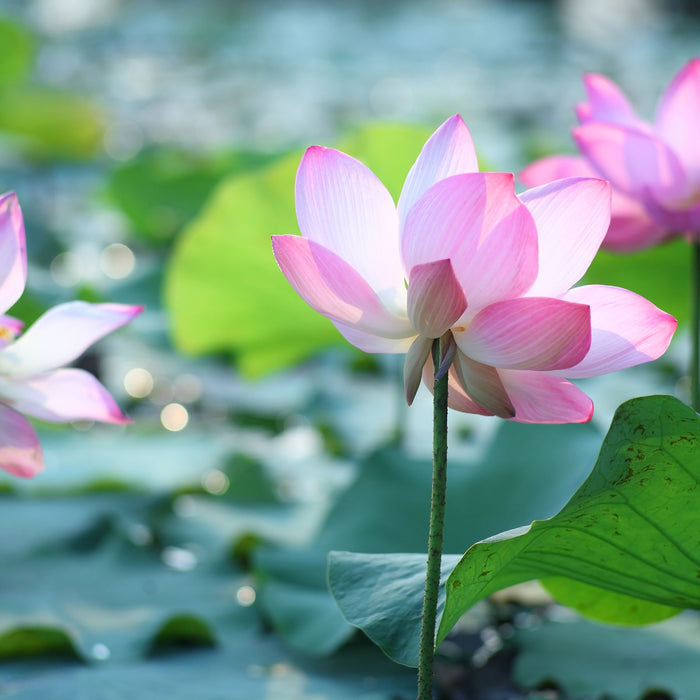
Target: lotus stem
435 535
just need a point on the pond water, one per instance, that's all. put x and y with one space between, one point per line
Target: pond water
273 74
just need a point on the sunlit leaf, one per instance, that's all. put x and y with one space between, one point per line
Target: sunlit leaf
51 124
629 529
606 606
223 289
161 190
16 52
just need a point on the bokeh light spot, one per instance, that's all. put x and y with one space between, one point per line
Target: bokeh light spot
138 382
179 559
117 261
174 417
215 482
245 596
65 269
101 652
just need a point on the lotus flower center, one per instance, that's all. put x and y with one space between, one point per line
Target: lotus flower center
7 335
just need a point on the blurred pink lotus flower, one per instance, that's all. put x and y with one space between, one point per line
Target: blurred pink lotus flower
32 379
462 258
654 169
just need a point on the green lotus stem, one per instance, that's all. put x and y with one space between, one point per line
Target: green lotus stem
435 536
695 328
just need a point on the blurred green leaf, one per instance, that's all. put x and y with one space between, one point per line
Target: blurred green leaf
22 642
294 595
587 660
527 459
247 666
94 582
160 190
51 124
661 274
182 631
16 52
248 481
86 576
70 518
223 289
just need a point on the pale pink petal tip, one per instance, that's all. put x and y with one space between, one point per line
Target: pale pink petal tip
117 418
540 397
677 118
61 335
62 396
23 463
606 102
105 409
579 206
449 151
13 251
113 316
130 310
627 330
344 207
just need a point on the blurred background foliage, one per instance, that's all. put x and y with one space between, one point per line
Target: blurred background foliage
153 147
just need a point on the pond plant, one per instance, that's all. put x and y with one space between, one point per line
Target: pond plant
483 291
33 379
475 284
654 170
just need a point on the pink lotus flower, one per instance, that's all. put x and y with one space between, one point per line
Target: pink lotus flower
464 259
654 169
32 379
